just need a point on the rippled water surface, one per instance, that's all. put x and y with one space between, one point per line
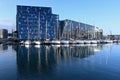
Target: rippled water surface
55 62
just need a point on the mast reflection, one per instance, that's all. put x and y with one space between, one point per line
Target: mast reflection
41 60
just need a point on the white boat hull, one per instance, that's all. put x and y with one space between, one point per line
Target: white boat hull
79 42
94 42
87 42
55 42
37 42
64 42
27 42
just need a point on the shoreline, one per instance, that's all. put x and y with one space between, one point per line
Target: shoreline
59 42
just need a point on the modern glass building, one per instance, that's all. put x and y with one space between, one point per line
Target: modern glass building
70 29
36 23
3 33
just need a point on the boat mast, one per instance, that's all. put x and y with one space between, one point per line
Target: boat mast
85 29
65 28
56 30
39 26
94 31
109 35
87 32
79 31
28 28
70 30
46 29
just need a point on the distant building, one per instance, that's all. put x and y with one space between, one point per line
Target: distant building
98 33
14 33
70 29
36 23
113 37
3 33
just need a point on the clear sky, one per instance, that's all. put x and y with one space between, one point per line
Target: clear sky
104 14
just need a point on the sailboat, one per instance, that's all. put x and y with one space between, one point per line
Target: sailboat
28 42
77 41
38 41
65 41
95 41
46 40
71 40
55 41
109 40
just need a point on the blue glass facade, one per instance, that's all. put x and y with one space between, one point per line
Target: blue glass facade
36 23
76 30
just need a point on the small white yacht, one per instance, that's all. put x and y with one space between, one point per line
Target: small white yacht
72 42
47 41
27 42
94 42
55 42
79 41
87 42
108 41
37 42
99 41
64 41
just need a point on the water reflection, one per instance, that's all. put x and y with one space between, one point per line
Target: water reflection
46 59
3 47
60 62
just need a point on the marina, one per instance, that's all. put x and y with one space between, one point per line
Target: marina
59 40
60 62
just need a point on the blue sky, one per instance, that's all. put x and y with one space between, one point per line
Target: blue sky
104 14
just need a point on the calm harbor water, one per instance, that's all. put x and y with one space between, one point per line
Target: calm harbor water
74 62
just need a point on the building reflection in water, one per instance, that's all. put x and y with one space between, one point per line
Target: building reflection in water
3 47
43 60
